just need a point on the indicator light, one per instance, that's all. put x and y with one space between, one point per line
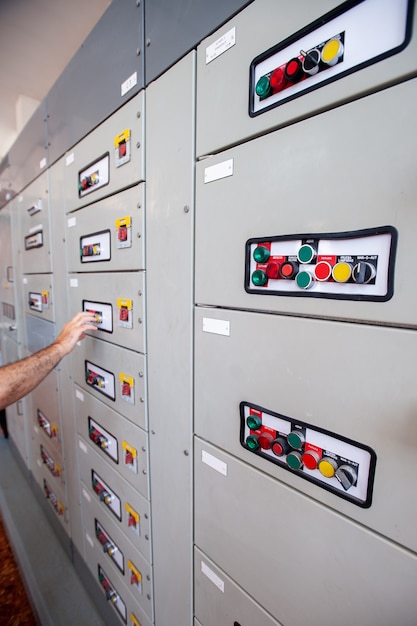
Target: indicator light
310 459
342 272
306 253
259 278
304 280
261 254
289 269
272 270
347 476
363 272
280 446
263 87
294 70
294 461
311 62
252 442
254 422
265 440
296 439
327 466
278 80
332 51
322 271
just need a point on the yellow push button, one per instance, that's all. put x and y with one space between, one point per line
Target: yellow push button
327 467
332 51
342 272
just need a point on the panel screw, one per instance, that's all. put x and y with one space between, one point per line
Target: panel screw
186 453
148 42
186 209
138 144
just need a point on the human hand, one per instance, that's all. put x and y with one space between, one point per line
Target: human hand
74 331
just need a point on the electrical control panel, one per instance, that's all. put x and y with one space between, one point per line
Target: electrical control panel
38 296
120 442
33 212
107 160
352 266
355 226
120 318
305 542
117 244
319 54
299 62
101 369
125 507
344 467
334 382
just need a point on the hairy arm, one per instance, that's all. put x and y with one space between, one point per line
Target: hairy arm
20 378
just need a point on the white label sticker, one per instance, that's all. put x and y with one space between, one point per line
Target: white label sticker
79 395
90 541
129 83
218 171
221 45
216 580
72 221
25 281
70 159
214 462
217 327
42 163
83 447
73 282
86 495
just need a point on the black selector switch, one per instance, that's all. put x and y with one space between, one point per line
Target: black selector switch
363 272
346 475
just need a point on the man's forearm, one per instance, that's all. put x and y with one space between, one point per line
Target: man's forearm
20 378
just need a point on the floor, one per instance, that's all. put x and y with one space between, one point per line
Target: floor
55 591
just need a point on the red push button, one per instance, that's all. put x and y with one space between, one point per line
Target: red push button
310 459
265 440
294 70
277 80
323 271
289 269
272 270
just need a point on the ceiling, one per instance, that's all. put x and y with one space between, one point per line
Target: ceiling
37 40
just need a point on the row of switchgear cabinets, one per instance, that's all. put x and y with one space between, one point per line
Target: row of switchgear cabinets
302 308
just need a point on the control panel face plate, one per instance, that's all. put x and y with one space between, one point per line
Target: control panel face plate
353 266
340 465
337 44
94 176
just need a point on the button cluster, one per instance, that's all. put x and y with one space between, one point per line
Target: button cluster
308 63
339 465
308 266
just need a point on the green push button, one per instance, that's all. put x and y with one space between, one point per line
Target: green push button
304 280
306 253
252 442
296 439
263 87
254 422
259 278
294 461
261 254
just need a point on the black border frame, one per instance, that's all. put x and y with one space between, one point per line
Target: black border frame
351 234
365 504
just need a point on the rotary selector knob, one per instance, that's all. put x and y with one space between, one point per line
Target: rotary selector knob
363 272
347 476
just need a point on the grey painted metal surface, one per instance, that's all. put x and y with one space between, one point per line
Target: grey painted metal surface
173 28
355 576
90 88
324 174
169 259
